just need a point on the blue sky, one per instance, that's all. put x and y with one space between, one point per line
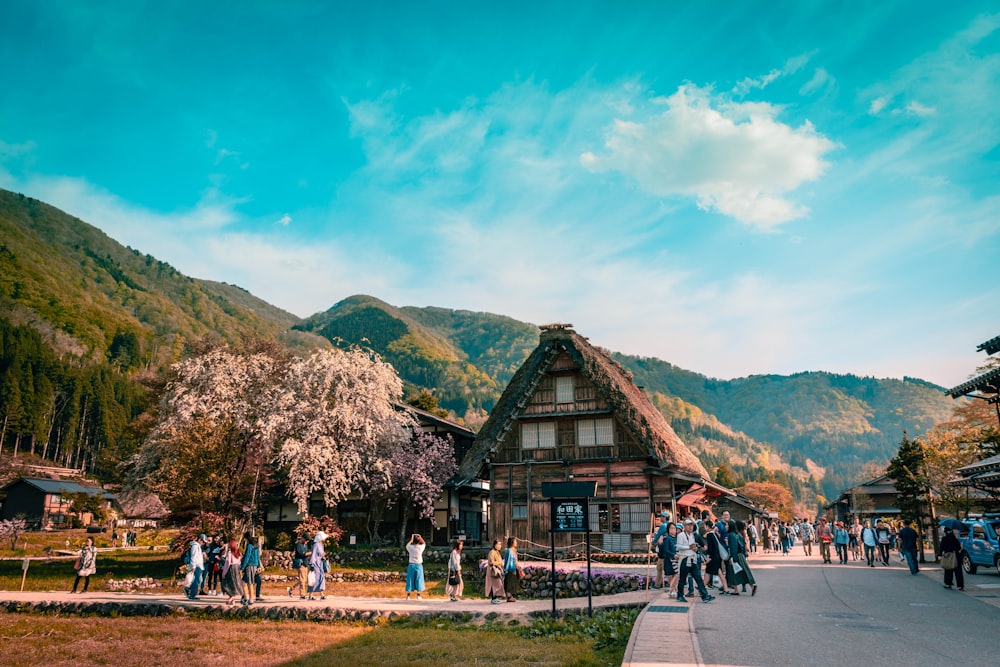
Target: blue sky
734 187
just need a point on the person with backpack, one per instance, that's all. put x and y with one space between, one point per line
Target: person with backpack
300 561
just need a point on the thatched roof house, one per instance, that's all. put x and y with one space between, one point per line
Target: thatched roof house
573 412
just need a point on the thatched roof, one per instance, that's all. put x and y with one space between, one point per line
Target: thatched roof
632 407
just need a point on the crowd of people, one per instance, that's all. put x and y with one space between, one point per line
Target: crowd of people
695 554
721 545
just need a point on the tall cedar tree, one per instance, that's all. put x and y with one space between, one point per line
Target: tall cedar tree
906 470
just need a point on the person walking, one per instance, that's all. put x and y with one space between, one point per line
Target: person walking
249 566
656 542
666 553
766 538
85 565
197 564
825 537
494 574
738 572
840 541
511 570
752 537
300 561
455 584
908 539
855 534
231 585
870 541
951 559
415 570
687 555
318 566
806 535
716 560
884 536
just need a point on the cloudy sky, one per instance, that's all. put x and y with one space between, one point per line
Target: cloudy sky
734 187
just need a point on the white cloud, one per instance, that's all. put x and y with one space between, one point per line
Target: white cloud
791 66
734 158
821 79
918 109
285 220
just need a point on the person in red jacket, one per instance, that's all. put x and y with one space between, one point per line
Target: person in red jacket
824 536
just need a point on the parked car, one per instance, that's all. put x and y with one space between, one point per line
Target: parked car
981 544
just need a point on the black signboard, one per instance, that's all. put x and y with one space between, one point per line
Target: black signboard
570 516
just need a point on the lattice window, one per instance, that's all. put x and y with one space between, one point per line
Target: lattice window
538 435
592 432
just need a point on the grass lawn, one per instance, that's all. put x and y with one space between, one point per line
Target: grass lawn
27 639
51 575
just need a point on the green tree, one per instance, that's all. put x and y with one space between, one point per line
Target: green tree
906 470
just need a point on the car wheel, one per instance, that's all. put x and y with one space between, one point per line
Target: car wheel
996 565
967 563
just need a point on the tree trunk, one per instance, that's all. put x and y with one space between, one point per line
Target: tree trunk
404 510
3 432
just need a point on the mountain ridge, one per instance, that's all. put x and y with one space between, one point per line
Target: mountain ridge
89 297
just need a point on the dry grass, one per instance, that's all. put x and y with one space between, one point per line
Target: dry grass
32 639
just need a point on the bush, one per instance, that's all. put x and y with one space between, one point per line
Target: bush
282 542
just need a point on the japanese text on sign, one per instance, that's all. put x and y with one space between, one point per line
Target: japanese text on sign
569 516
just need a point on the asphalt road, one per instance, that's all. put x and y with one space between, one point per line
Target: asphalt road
806 613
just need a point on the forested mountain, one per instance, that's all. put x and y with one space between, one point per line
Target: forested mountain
464 358
87 327
81 290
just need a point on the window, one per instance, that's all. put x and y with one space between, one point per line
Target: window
538 435
519 512
595 432
619 517
564 389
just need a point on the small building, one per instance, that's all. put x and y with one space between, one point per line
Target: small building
873 499
981 481
43 502
572 413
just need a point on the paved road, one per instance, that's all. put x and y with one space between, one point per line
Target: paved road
806 613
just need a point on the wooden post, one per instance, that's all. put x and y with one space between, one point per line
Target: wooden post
649 550
24 572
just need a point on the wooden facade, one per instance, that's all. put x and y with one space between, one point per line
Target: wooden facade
573 413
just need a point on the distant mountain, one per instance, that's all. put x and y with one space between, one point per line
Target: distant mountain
94 301
806 427
80 289
464 358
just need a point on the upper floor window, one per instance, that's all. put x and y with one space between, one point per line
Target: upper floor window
564 389
595 432
538 435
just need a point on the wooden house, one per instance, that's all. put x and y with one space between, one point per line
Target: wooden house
572 413
873 499
44 503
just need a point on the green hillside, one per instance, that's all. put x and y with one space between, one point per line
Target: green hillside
80 289
88 324
837 421
424 357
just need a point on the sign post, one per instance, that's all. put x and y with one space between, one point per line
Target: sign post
570 513
24 572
